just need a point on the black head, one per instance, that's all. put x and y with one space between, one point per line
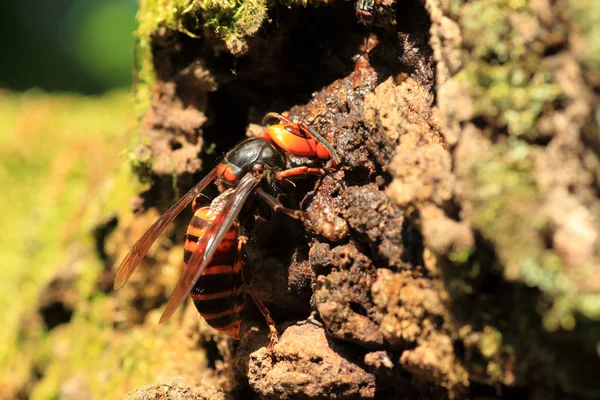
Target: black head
255 154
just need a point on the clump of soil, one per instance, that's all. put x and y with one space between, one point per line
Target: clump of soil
295 370
177 389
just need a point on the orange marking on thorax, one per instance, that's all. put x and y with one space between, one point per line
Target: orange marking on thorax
224 170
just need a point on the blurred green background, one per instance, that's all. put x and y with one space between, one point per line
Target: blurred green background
67 45
67 120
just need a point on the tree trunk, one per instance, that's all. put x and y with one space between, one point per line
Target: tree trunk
455 250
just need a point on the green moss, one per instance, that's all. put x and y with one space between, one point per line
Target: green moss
490 342
140 158
460 256
152 16
513 97
587 16
234 18
552 329
554 324
506 204
563 312
505 200
230 19
503 71
61 176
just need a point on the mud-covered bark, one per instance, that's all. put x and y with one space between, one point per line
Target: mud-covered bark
294 370
177 389
454 252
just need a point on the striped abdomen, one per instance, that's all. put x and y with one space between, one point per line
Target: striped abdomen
218 292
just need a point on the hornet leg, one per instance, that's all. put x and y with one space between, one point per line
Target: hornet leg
273 334
298 172
278 207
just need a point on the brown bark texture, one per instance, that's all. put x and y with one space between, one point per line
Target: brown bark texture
455 251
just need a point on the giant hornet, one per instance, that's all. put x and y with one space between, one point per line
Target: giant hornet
260 168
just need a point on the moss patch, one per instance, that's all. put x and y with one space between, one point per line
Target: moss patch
506 205
505 199
503 70
587 17
152 16
230 19
234 18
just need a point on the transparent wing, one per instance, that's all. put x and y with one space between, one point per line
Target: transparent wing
208 244
141 247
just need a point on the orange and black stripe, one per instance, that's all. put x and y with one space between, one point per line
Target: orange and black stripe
218 293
